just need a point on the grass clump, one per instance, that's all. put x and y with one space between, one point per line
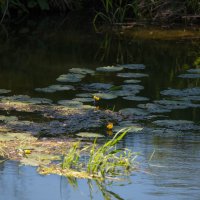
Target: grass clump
104 161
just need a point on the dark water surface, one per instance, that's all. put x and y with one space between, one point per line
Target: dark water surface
34 54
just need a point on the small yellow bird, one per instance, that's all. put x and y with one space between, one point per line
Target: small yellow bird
109 126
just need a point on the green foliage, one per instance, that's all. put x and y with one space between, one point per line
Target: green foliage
103 160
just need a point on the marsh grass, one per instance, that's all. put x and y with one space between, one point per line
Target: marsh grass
104 161
114 11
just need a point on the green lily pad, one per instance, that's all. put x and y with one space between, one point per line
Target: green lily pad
97 86
132 128
177 124
132 87
189 76
175 104
133 66
4 91
84 100
135 98
110 69
73 78
106 95
55 88
83 71
70 103
196 70
89 135
26 99
132 75
154 108
133 111
132 81
182 92
84 95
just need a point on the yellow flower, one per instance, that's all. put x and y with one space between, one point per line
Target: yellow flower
96 98
27 151
109 126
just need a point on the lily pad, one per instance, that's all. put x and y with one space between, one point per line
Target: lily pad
177 124
106 95
154 108
98 86
182 92
175 104
89 135
110 69
132 75
133 66
133 128
84 95
83 99
83 71
26 99
136 98
189 76
73 78
133 112
54 88
70 103
196 70
132 87
132 81
4 91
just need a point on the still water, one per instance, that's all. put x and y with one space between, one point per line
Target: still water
35 53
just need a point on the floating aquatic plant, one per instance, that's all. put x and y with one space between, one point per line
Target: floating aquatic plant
110 69
55 88
4 91
83 71
132 75
189 76
73 78
70 103
133 66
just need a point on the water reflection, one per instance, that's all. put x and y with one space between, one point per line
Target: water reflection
36 49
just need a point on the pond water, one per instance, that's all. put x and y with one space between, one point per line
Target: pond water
36 53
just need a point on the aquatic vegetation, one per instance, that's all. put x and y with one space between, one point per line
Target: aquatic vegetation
109 69
181 125
83 71
195 70
189 76
70 103
106 95
133 66
4 91
135 98
89 135
109 126
133 112
132 81
55 88
63 157
71 77
83 100
132 75
97 86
